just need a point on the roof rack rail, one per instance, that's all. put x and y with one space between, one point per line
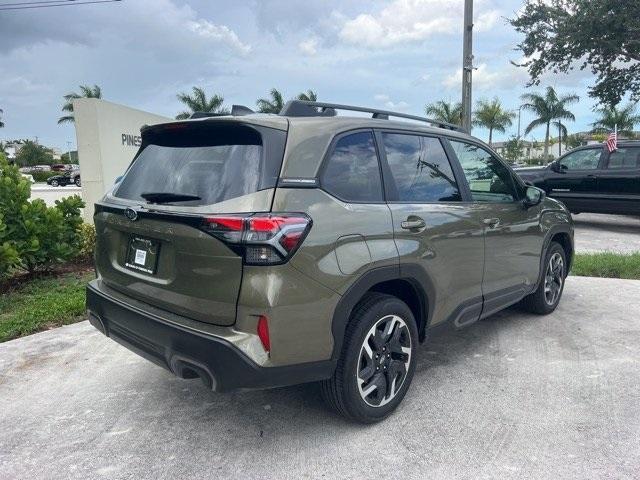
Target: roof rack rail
304 108
236 111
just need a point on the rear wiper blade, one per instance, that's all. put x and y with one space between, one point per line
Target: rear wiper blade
166 197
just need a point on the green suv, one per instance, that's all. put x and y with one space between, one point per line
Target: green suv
255 251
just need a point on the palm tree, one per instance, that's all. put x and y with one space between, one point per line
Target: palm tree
550 110
309 96
198 102
445 111
86 91
610 117
273 105
491 115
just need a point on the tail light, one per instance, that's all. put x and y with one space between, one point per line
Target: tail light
262 239
263 333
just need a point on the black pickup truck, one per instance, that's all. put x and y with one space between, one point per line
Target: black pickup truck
590 179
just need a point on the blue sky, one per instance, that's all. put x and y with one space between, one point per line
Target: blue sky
395 54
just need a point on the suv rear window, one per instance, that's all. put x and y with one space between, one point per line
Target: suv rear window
213 162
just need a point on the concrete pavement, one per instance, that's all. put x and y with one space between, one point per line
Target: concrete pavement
50 194
598 233
515 396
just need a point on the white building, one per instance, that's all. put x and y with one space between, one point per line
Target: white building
534 150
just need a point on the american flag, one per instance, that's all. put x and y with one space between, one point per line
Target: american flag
612 141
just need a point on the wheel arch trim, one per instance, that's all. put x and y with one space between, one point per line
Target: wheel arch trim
411 273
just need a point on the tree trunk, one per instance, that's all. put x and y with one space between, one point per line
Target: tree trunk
546 146
490 136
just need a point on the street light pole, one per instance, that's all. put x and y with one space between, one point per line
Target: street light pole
519 113
467 64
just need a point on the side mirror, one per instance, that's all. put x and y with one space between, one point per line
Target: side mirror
533 196
555 166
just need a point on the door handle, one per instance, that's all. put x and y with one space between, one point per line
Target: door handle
413 223
491 222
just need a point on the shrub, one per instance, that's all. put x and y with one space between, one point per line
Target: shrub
42 176
32 235
87 241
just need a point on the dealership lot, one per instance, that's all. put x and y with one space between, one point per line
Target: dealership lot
513 396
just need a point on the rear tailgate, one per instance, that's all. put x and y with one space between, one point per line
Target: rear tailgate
183 270
156 251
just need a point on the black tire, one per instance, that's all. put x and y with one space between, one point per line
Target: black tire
539 301
77 182
342 392
54 183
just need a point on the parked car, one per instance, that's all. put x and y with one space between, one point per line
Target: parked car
65 179
257 251
58 167
591 179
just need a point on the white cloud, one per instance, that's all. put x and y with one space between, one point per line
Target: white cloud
421 79
309 47
390 104
221 33
407 21
485 79
151 24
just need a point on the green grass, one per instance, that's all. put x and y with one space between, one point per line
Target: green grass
43 303
607 264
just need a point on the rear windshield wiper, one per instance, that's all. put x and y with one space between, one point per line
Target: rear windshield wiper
166 197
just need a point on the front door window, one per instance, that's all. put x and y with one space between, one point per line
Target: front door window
581 160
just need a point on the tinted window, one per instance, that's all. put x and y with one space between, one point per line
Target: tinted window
489 180
581 160
352 173
625 158
215 164
420 169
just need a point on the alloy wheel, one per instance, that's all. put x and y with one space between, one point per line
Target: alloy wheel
554 278
384 361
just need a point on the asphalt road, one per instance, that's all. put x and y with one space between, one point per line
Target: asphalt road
597 233
515 396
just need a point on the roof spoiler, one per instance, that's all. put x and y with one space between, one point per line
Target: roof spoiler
236 111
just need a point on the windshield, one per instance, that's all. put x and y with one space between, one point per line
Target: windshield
209 164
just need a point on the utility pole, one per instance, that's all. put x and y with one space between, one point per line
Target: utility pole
467 64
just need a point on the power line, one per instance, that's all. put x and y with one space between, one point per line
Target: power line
33 3
69 3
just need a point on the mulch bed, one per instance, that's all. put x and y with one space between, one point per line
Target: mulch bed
18 281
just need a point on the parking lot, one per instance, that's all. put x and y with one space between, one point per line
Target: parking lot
597 233
515 396
50 194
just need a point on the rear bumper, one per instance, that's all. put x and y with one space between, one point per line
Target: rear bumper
190 353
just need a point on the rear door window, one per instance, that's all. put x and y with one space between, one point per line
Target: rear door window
213 163
352 172
420 169
624 158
